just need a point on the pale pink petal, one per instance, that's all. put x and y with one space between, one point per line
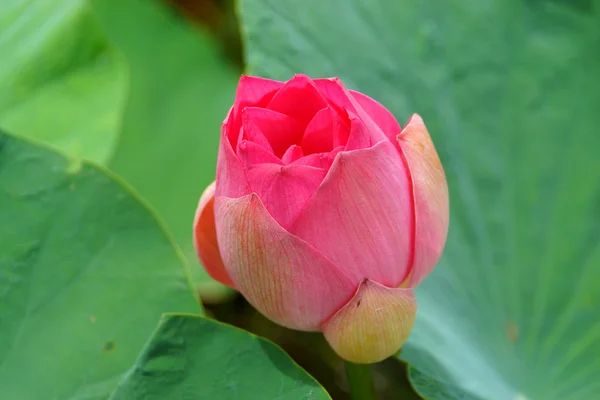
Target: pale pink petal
250 153
430 197
231 178
361 215
205 238
298 98
379 114
373 325
282 276
338 95
293 153
284 190
360 137
280 130
321 131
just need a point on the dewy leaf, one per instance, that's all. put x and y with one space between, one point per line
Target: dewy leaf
85 271
181 89
60 80
197 358
509 91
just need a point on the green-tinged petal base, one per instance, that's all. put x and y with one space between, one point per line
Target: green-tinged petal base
373 325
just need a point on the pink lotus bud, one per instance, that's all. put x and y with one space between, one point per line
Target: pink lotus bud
325 214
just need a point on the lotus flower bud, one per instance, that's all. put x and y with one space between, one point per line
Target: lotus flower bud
325 214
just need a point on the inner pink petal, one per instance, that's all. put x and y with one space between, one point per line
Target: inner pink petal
250 153
319 134
292 154
280 130
251 133
360 137
336 93
284 190
299 98
380 115
251 91
255 91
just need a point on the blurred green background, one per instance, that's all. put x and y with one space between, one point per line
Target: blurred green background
112 110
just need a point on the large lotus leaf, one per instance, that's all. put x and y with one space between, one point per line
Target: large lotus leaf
510 93
60 79
196 358
85 271
181 89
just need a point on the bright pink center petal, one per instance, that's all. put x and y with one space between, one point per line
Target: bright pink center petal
318 136
280 130
292 154
299 98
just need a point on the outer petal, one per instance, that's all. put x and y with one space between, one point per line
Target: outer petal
373 325
430 197
379 114
231 178
205 238
298 98
361 215
281 275
284 190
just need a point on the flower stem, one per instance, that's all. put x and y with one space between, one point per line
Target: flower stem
361 381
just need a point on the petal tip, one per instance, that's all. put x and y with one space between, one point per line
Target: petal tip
415 119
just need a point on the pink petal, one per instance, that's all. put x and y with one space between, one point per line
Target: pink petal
379 114
231 178
337 94
360 138
284 190
298 98
361 215
430 197
280 130
228 128
251 133
281 275
319 160
250 153
251 91
205 238
321 131
293 153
